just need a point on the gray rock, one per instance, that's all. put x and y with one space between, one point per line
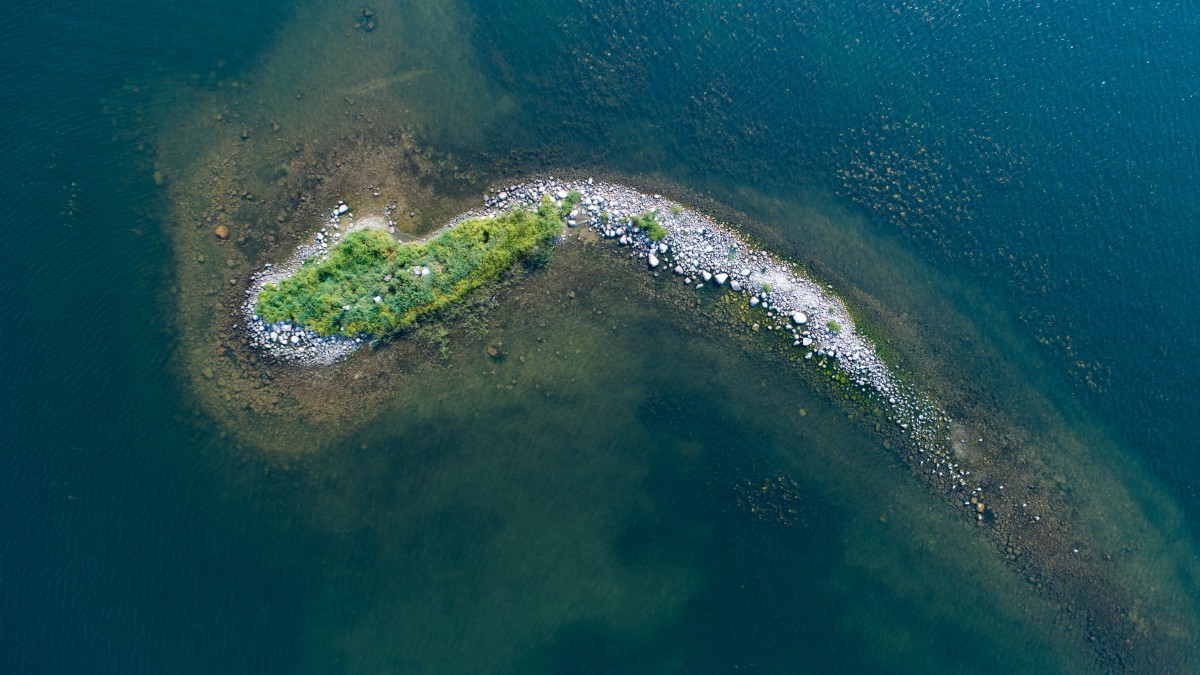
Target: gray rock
735 286
800 318
653 260
706 275
754 301
721 278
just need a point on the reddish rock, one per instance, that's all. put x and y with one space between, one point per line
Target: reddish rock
222 232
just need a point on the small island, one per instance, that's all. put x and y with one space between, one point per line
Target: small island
369 284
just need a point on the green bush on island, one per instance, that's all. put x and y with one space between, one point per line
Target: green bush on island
370 264
648 221
834 326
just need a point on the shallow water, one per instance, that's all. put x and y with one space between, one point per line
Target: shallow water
1003 190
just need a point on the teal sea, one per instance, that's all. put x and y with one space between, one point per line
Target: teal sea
1017 180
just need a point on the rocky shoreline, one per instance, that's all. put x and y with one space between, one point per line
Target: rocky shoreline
699 252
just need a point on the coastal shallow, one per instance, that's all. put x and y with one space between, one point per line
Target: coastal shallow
748 288
1081 551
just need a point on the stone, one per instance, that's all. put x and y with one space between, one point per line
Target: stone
653 260
735 286
754 301
502 196
342 208
806 341
800 318
721 278
678 270
378 299
295 339
662 248
745 272
561 194
706 275
222 232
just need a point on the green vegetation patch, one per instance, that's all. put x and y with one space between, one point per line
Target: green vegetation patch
369 264
648 221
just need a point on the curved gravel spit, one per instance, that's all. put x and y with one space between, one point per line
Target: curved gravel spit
706 255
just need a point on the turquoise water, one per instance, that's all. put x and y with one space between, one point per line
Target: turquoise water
1029 167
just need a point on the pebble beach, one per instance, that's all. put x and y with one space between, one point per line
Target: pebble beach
707 256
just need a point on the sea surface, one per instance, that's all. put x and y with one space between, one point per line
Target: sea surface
628 495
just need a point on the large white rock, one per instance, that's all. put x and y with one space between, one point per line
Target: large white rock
653 260
754 301
735 286
342 208
721 278
378 298
706 275
800 318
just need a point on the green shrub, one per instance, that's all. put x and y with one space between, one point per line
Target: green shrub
370 263
834 326
676 209
648 222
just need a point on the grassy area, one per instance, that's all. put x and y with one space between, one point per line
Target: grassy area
337 296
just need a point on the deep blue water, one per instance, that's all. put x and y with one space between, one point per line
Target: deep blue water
1045 154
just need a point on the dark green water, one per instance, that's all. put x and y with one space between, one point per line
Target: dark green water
1027 170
